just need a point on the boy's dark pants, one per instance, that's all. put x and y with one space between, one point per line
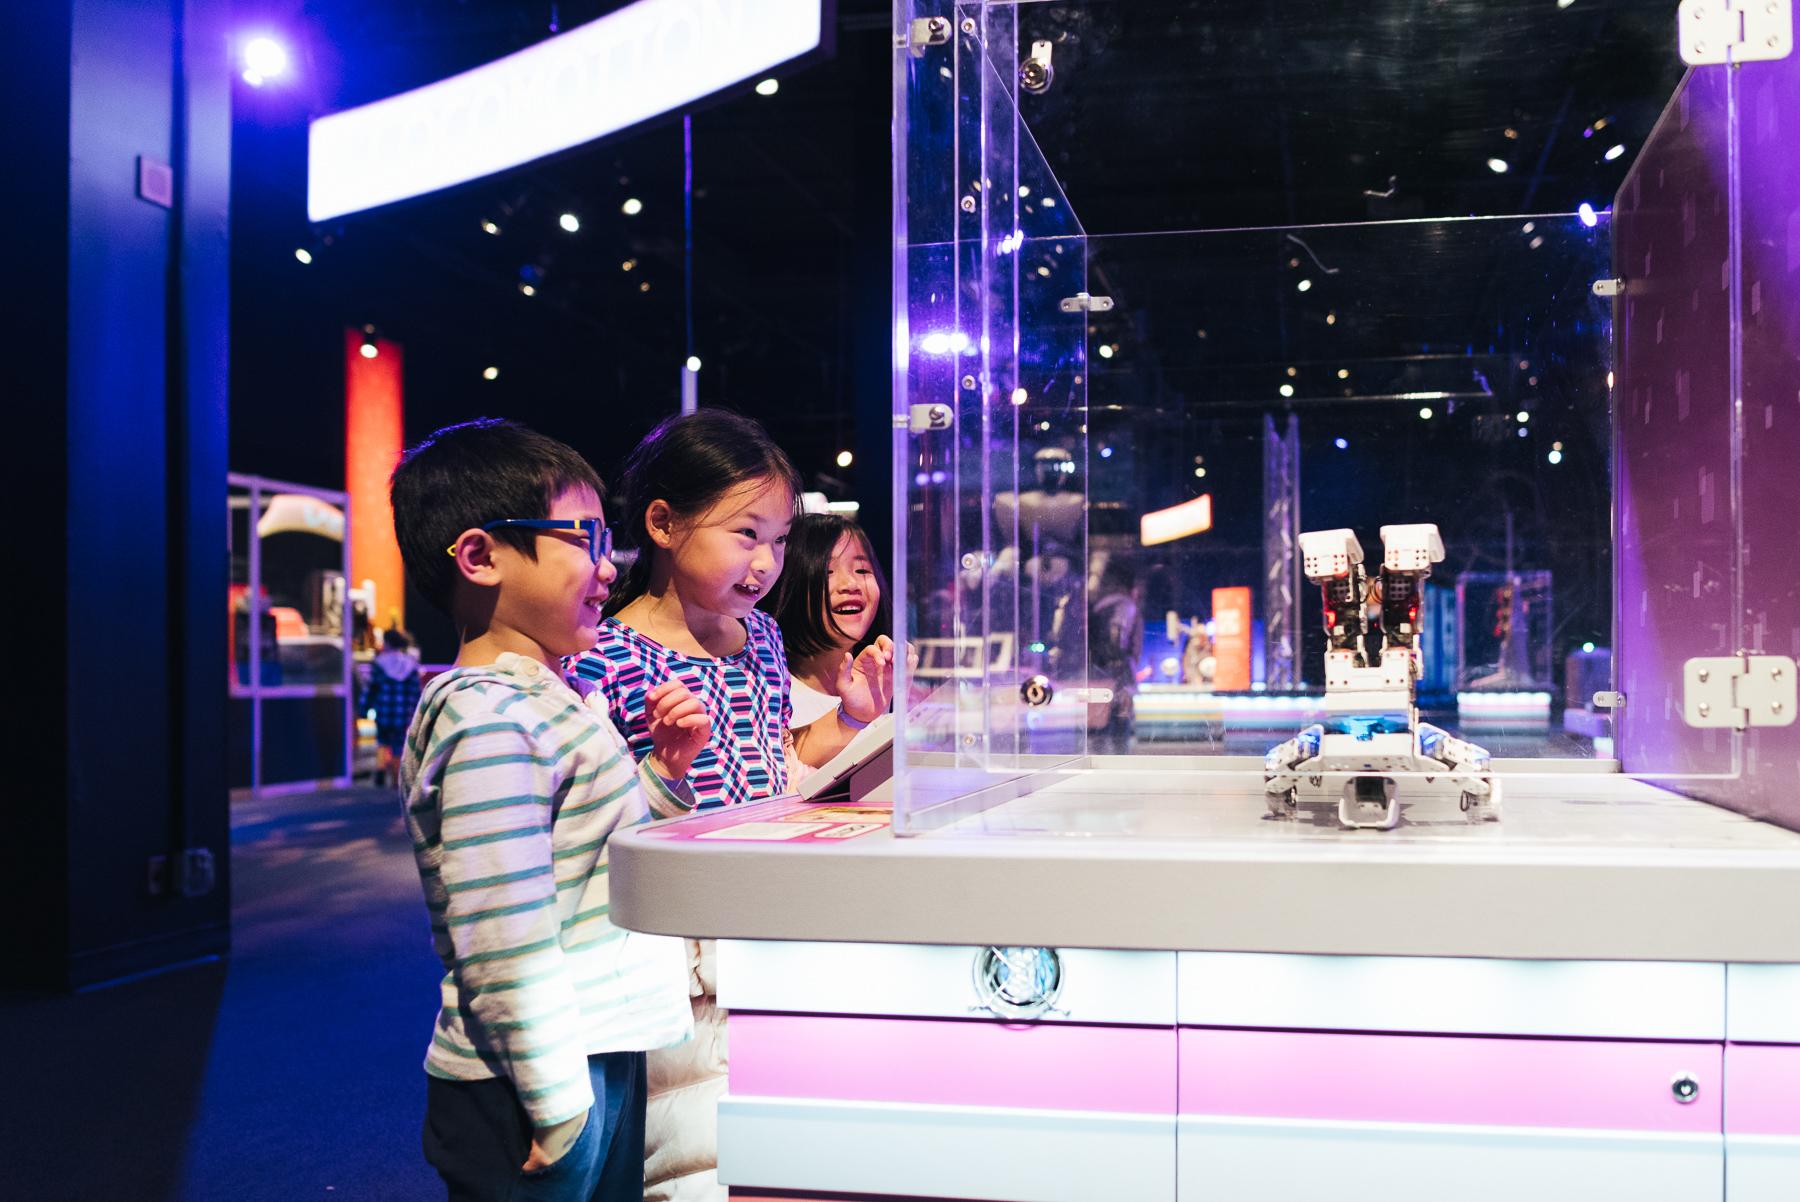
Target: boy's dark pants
477 1135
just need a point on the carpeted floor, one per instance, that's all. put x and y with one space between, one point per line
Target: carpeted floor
291 1071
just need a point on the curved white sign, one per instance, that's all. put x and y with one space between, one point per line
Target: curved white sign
610 74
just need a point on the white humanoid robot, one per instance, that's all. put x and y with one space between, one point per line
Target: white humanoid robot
1372 726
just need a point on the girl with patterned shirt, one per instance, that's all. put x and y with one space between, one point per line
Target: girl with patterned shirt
708 502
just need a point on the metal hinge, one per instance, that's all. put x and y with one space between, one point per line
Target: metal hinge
1609 700
927 417
1081 301
1734 31
1608 287
1738 691
923 32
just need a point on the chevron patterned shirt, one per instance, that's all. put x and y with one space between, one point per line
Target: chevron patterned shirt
745 695
514 780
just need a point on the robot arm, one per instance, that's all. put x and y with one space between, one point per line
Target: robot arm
1333 560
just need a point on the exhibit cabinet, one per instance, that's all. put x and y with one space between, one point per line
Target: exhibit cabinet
1345 746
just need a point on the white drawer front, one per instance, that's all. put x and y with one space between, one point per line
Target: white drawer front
946 1151
1762 1168
1763 1003
1281 1160
933 982
1617 999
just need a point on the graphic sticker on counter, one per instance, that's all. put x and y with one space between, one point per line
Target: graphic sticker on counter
779 819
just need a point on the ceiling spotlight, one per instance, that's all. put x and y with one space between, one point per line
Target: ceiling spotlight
1615 152
569 222
1425 413
1019 396
1587 214
1524 415
1564 3
492 373
1343 373
693 363
1499 166
527 289
1523 431
1554 457
1342 444
491 227
1303 285
1287 390
628 264
1331 319
1106 352
1106 452
304 255
264 59
632 207
768 87
369 350
845 458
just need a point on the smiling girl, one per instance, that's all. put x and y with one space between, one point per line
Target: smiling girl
831 605
708 503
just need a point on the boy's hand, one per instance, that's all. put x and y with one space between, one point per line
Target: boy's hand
866 682
679 728
551 1144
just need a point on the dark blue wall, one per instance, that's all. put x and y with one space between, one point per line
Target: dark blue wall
118 421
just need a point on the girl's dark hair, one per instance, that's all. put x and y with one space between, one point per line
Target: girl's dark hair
487 470
690 462
798 601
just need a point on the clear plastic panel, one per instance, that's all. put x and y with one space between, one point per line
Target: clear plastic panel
1112 440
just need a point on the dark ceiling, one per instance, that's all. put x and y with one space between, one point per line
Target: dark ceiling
1163 115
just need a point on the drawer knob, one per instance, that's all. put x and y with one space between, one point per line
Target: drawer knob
1685 1088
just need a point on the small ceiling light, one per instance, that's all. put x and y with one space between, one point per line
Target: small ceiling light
845 459
1106 352
569 222
1199 471
628 264
1524 415
1343 373
1425 413
1018 396
527 289
1106 452
1556 446
492 373
491 227
1331 319
1554 456
1499 166
1025 190
644 287
693 363
369 350
1293 371
1609 379
632 207
1304 285
1523 431
1564 3
768 87
1512 133
304 255
1587 646
1044 427
1587 214
1287 390
264 59
1342 444
1615 152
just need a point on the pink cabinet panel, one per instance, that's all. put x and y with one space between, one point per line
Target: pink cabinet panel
1762 1085
1621 1086
1128 1070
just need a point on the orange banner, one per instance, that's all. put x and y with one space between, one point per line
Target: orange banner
374 392
1231 638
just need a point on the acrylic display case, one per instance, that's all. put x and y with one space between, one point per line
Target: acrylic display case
1109 437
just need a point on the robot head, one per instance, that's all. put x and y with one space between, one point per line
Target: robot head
1055 466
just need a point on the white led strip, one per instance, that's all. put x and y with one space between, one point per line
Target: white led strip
610 74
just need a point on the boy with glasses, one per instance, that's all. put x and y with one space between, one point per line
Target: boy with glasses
514 779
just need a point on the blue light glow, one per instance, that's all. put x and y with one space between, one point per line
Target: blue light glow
264 59
1341 444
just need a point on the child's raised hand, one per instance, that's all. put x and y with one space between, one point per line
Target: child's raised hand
866 682
679 728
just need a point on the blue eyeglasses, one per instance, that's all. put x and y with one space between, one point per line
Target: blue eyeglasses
599 537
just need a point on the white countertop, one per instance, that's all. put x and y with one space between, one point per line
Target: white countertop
1584 866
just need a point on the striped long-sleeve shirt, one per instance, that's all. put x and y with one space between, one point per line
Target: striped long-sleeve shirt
513 783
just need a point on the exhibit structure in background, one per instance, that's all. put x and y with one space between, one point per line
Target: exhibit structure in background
119 156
